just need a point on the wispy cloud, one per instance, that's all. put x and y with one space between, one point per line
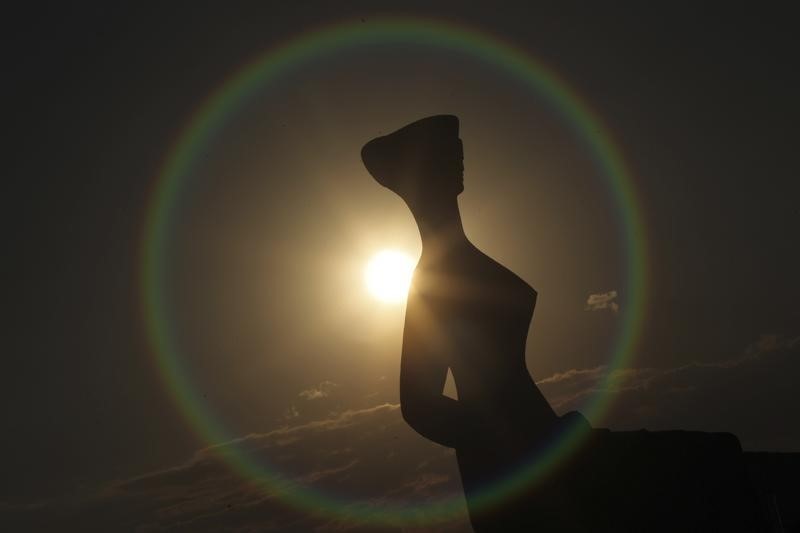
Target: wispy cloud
603 300
370 455
291 412
739 394
374 458
323 390
573 374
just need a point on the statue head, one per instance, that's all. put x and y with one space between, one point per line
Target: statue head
422 162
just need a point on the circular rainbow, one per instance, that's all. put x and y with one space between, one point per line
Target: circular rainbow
213 113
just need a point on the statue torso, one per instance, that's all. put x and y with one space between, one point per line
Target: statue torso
483 312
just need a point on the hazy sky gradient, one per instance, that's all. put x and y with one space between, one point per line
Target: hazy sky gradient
282 218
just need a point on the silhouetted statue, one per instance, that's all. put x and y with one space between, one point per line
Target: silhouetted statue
465 312
468 313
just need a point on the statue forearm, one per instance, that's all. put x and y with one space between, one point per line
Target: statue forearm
438 418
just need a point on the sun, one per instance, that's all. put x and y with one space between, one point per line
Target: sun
388 276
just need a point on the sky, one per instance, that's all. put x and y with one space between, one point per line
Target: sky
288 361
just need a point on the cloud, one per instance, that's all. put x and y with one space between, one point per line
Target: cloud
291 412
751 395
600 379
362 458
323 390
369 457
573 374
604 300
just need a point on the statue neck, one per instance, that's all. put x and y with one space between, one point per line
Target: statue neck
440 228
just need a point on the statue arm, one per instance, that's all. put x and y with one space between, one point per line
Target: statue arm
423 371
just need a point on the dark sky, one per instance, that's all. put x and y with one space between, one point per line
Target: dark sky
272 237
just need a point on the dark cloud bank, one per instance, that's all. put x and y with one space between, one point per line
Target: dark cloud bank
369 456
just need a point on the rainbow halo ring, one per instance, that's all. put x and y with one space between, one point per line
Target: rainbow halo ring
199 132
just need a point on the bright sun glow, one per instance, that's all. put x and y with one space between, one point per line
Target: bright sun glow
388 276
